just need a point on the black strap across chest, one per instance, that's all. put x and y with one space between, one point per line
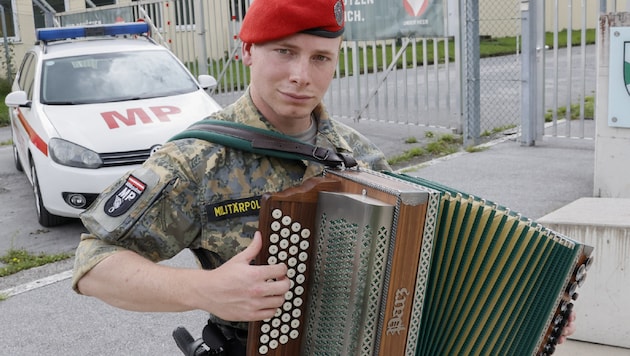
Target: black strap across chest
265 142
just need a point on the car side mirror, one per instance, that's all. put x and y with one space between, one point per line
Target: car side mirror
17 98
207 81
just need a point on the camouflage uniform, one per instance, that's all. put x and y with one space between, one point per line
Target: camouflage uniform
196 194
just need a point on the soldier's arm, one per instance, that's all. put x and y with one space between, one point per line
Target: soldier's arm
235 291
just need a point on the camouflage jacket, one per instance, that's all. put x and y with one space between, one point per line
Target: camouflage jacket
196 194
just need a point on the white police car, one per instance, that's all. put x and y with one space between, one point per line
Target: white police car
89 103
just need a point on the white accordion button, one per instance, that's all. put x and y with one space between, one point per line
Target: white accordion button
297 302
285 318
294 334
265 328
274 238
284 329
295 238
284 339
296 226
296 313
285 232
288 295
304 245
299 290
273 344
273 249
292 262
291 273
306 233
301 268
272 260
286 220
276 213
303 256
282 255
264 339
263 349
275 226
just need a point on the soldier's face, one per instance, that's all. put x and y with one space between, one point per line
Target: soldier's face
290 76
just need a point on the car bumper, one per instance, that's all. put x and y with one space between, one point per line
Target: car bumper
57 181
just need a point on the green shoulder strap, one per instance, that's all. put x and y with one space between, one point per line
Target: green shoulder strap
264 142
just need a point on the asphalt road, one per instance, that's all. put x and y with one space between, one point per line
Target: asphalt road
18 220
44 315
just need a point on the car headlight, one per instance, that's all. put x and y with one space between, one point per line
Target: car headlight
72 155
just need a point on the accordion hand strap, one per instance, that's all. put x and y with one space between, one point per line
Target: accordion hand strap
252 139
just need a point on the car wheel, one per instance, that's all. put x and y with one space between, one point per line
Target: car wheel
44 217
16 160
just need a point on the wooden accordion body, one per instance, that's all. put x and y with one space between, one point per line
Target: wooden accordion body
388 264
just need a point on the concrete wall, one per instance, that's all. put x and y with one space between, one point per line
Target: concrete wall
604 223
612 144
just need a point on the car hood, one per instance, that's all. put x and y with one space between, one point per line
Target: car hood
130 125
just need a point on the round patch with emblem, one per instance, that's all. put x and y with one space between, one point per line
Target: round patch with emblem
339 12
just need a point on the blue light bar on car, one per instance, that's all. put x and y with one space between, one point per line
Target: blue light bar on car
61 33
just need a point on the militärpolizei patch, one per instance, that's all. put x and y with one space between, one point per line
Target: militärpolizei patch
124 197
233 208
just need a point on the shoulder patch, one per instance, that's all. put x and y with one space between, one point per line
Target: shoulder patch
125 197
233 208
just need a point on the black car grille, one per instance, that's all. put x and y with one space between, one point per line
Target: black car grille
124 158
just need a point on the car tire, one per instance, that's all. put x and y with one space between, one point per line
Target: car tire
16 160
44 217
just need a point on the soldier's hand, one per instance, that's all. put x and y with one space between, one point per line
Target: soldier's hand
246 292
569 329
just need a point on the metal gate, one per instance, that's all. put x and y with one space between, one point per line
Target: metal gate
432 82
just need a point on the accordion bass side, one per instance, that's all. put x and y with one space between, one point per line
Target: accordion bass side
387 264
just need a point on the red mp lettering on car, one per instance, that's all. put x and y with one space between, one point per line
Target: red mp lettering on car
112 118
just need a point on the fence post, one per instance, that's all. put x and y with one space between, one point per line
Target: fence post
200 27
6 45
471 88
530 74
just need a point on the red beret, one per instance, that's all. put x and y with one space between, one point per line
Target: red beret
268 20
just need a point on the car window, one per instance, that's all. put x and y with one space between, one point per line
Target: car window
113 77
27 75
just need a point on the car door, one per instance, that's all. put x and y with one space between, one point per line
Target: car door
21 117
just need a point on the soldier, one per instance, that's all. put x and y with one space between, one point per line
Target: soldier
166 205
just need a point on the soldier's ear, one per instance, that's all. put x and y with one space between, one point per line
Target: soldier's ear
246 50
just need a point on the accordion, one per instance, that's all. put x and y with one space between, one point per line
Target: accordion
389 264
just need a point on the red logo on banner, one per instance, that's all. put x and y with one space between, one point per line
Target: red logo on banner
415 7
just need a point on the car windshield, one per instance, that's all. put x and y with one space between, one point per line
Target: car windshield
113 77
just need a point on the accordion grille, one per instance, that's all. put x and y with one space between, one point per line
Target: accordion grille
347 281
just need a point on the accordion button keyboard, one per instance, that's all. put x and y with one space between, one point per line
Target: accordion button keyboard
288 244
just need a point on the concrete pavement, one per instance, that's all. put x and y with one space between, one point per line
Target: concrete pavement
531 180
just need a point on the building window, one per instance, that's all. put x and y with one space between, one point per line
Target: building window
9 19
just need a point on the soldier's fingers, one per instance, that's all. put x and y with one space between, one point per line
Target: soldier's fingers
250 253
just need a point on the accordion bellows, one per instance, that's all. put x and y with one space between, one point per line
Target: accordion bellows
389 264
